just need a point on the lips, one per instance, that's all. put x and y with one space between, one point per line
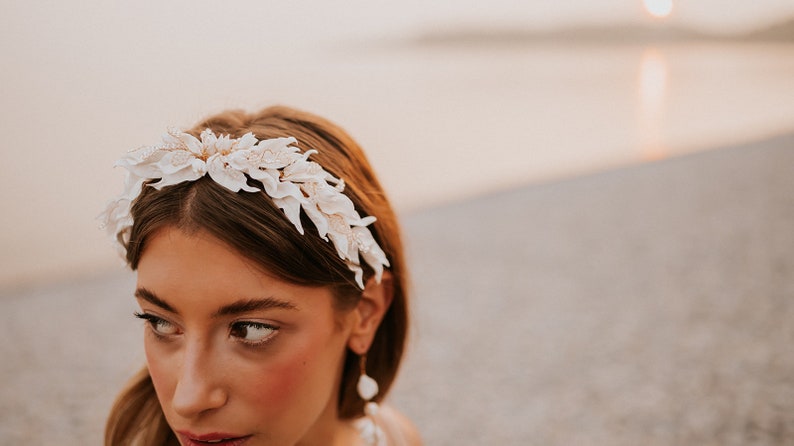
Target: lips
215 438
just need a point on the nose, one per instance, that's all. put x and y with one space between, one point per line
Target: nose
199 387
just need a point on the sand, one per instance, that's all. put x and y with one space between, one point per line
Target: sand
648 305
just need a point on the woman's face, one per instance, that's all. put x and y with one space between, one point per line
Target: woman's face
235 353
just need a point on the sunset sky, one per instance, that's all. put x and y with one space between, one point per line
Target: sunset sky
363 17
709 14
42 24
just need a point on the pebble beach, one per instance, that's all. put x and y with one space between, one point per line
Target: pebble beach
651 304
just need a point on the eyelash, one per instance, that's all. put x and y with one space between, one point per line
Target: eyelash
153 321
256 325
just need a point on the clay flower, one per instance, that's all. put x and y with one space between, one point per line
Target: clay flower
285 173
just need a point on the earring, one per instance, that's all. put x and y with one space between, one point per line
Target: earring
367 389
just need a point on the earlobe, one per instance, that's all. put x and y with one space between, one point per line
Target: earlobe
375 301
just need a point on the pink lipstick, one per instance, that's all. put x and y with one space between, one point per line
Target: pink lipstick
215 438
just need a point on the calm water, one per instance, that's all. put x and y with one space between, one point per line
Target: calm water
440 123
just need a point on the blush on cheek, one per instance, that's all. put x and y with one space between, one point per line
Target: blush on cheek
281 384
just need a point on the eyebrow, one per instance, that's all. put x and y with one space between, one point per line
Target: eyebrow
235 308
249 305
148 296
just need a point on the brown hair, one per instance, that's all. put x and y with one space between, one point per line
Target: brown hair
252 225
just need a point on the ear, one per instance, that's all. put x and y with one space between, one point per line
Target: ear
375 301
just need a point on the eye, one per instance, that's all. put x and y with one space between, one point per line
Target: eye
252 332
159 326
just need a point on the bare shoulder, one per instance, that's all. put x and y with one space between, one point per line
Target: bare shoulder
399 428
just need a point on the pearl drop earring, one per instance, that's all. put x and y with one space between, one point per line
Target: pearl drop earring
367 389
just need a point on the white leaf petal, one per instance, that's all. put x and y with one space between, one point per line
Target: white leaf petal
231 179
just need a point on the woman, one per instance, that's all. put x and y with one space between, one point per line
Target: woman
272 284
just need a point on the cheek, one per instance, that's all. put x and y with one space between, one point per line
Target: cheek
161 372
279 384
304 376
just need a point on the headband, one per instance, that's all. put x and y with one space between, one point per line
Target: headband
287 176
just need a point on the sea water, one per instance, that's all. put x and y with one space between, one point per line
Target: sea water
439 122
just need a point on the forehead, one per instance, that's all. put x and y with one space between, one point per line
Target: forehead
201 270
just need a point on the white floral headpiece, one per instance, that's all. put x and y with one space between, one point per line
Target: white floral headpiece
293 182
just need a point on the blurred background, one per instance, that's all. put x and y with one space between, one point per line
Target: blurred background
616 135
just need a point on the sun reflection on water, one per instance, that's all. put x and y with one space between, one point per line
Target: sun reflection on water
652 90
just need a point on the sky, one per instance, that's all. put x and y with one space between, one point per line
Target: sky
310 20
709 14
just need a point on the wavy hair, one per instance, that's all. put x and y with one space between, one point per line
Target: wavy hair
253 226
